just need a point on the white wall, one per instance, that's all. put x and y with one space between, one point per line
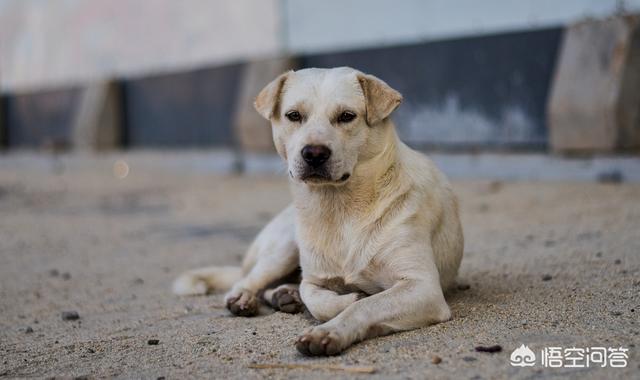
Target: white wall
50 43
314 26
46 43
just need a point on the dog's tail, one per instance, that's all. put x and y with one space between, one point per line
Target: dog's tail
206 280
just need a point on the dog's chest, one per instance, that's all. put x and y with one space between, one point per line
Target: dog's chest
338 256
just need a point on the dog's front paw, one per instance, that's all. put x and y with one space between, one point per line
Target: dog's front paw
242 302
287 300
319 341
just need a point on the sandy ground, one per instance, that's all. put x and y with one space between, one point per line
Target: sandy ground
547 265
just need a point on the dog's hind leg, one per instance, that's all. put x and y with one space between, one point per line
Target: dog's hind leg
273 256
285 298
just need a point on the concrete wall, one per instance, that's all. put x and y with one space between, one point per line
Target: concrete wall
66 42
468 92
474 73
61 43
313 26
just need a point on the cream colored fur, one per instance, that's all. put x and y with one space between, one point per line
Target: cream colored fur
377 249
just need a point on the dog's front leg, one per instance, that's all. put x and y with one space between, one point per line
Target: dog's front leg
324 304
415 300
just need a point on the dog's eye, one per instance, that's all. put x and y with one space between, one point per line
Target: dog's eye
346 117
293 116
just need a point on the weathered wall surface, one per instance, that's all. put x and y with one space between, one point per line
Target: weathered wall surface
313 26
66 42
474 74
595 100
481 91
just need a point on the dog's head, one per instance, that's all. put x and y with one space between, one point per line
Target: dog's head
324 120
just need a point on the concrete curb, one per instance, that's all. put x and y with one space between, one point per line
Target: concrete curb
487 166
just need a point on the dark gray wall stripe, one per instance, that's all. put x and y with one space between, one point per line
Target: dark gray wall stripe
41 119
189 109
489 91
484 91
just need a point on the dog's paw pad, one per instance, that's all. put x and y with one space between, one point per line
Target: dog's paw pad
319 342
244 303
287 300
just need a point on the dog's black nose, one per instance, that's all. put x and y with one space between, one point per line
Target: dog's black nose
315 155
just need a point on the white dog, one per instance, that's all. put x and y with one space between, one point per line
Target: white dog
374 225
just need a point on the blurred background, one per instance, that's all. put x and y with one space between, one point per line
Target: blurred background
537 77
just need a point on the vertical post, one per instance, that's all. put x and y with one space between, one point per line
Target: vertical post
4 141
98 124
253 132
595 98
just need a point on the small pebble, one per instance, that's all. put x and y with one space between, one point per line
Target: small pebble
599 254
549 243
464 287
616 313
489 349
617 261
66 276
28 330
469 359
547 277
435 359
54 273
70 315
153 342
138 281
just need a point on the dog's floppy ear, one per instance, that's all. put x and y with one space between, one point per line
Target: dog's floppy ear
380 98
268 101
